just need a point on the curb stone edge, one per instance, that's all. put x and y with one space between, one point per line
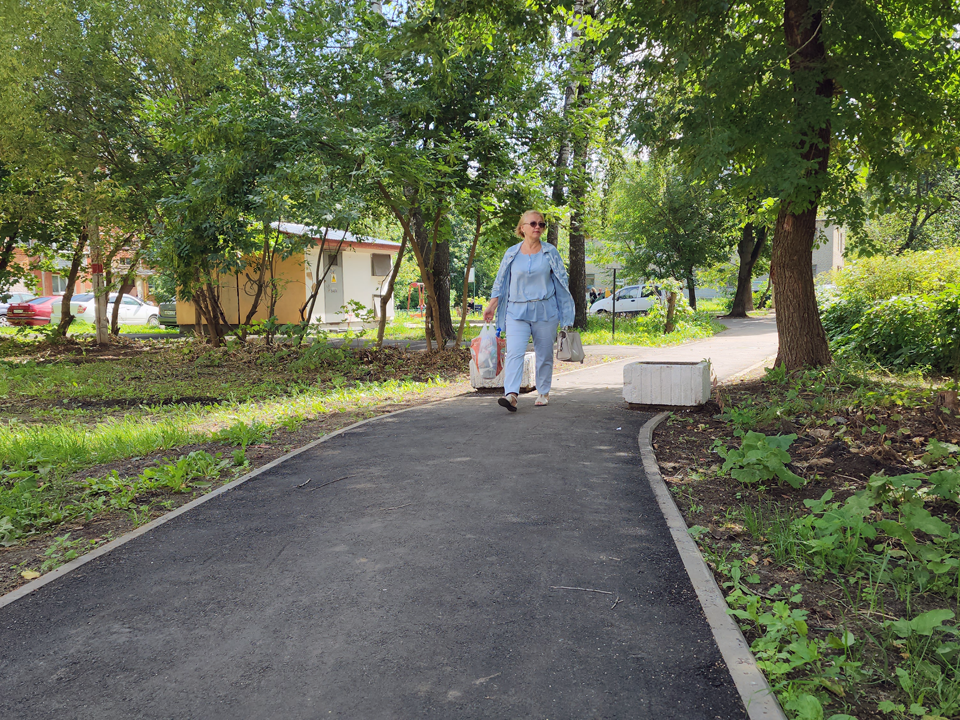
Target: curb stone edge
759 700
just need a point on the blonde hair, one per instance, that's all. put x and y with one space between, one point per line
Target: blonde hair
523 218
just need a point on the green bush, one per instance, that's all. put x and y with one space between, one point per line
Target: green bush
913 273
900 312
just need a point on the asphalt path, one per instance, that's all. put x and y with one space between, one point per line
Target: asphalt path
462 562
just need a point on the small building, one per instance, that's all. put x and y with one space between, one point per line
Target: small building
829 247
357 270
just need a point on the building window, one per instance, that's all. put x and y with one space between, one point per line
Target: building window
380 264
58 284
814 268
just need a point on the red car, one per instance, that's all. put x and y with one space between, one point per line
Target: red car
34 312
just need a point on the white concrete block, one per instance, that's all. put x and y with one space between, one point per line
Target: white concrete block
527 382
667 383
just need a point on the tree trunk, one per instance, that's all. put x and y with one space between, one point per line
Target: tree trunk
385 298
692 289
579 187
6 252
560 168
126 285
441 287
100 291
669 325
66 317
748 250
206 302
803 341
425 271
466 275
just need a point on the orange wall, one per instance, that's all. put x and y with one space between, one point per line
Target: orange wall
292 291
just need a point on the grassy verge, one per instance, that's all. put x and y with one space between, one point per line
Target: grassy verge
78 328
647 330
407 325
95 441
828 505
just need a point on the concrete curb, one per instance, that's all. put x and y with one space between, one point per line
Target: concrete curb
35 585
758 698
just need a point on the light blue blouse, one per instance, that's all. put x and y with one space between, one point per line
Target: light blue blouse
532 293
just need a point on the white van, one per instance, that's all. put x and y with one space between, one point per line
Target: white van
631 299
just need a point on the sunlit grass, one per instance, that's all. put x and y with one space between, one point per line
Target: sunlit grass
63 447
408 326
647 330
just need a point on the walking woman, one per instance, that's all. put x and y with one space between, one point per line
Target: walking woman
530 297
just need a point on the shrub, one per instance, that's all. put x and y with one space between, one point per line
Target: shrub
913 273
898 311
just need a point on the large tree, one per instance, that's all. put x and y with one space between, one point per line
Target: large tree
814 93
663 224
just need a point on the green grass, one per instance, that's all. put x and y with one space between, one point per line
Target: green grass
406 326
78 329
647 330
883 561
69 408
65 447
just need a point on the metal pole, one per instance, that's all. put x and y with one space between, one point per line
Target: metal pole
614 333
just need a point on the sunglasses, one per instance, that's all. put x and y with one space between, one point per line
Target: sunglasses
540 225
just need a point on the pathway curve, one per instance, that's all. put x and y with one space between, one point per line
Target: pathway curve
464 562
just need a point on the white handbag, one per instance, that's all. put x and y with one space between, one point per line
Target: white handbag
569 347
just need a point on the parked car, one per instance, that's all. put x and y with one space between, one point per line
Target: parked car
13 298
133 311
33 312
168 314
631 299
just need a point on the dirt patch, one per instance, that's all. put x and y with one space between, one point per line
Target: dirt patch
833 451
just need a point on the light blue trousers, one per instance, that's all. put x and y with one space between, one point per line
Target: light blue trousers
518 334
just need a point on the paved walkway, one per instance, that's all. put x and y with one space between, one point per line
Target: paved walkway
464 563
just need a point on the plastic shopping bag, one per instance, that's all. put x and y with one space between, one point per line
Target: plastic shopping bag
484 349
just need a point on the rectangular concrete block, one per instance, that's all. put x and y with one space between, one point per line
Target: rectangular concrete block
527 382
667 383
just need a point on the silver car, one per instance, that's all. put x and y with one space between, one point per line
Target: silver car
632 299
133 311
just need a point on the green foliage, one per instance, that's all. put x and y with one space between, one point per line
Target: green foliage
662 222
761 458
899 312
244 434
912 273
31 502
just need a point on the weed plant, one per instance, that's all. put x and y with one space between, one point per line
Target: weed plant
888 548
32 502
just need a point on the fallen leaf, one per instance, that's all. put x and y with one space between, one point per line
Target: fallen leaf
29 574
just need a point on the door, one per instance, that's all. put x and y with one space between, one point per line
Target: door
129 312
627 300
332 287
648 298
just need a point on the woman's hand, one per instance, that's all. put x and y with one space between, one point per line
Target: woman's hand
490 311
